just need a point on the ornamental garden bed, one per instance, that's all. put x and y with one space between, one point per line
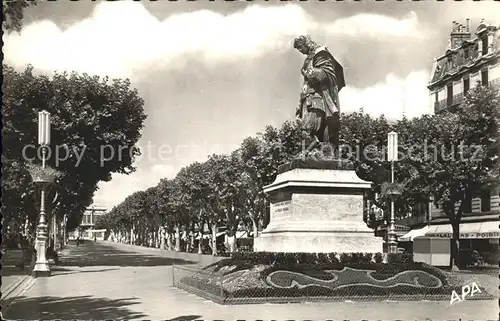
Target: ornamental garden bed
298 277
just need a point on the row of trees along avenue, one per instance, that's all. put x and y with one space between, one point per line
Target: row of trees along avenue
225 190
87 112
449 156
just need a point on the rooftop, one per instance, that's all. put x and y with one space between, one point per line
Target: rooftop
464 52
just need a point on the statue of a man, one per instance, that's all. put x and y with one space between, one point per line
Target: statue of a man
319 107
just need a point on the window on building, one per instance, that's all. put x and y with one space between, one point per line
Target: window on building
466 53
484 77
449 99
420 209
485 45
467 206
485 201
466 84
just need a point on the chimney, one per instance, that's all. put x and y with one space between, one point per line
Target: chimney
467 23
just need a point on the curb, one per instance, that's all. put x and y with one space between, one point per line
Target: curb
16 290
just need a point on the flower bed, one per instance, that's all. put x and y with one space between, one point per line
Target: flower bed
307 276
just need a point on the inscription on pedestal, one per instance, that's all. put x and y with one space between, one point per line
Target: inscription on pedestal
281 209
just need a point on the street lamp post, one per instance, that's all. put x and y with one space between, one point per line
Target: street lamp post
429 216
42 265
392 156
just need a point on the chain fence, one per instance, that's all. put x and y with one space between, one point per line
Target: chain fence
247 286
489 280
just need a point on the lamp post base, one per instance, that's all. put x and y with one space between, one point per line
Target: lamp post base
41 270
392 247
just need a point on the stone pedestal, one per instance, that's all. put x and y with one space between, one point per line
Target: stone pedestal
317 210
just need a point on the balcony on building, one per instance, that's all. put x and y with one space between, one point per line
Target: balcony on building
466 61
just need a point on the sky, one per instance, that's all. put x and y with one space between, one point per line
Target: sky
213 73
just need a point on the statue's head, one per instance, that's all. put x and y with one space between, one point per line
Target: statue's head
304 44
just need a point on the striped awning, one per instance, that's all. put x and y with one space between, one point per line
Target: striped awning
208 236
408 237
472 230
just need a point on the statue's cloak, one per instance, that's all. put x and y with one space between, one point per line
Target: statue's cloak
323 78
319 106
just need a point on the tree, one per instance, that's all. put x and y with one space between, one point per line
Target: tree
94 124
364 141
455 154
13 13
191 187
253 199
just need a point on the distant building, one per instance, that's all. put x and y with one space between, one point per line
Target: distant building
469 59
86 228
466 61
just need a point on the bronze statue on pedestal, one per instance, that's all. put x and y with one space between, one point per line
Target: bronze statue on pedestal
319 107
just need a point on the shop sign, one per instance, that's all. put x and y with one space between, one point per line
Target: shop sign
471 235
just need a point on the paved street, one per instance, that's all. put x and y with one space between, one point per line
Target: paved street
113 281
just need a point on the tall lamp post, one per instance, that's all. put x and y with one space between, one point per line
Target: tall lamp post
429 215
42 265
392 156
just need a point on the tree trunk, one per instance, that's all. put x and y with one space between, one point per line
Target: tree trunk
163 236
200 242
214 239
157 238
455 246
177 238
231 240
55 234
191 245
200 245
170 244
254 225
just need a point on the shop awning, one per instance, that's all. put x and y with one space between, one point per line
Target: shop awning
473 230
208 236
241 234
205 236
408 237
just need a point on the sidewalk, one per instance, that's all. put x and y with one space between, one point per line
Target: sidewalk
14 279
10 273
200 259
97 281
102 280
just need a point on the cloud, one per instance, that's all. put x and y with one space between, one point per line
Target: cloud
374 25
393 97
213 79
112 193
122 38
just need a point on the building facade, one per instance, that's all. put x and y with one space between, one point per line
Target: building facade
468 60
86 228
